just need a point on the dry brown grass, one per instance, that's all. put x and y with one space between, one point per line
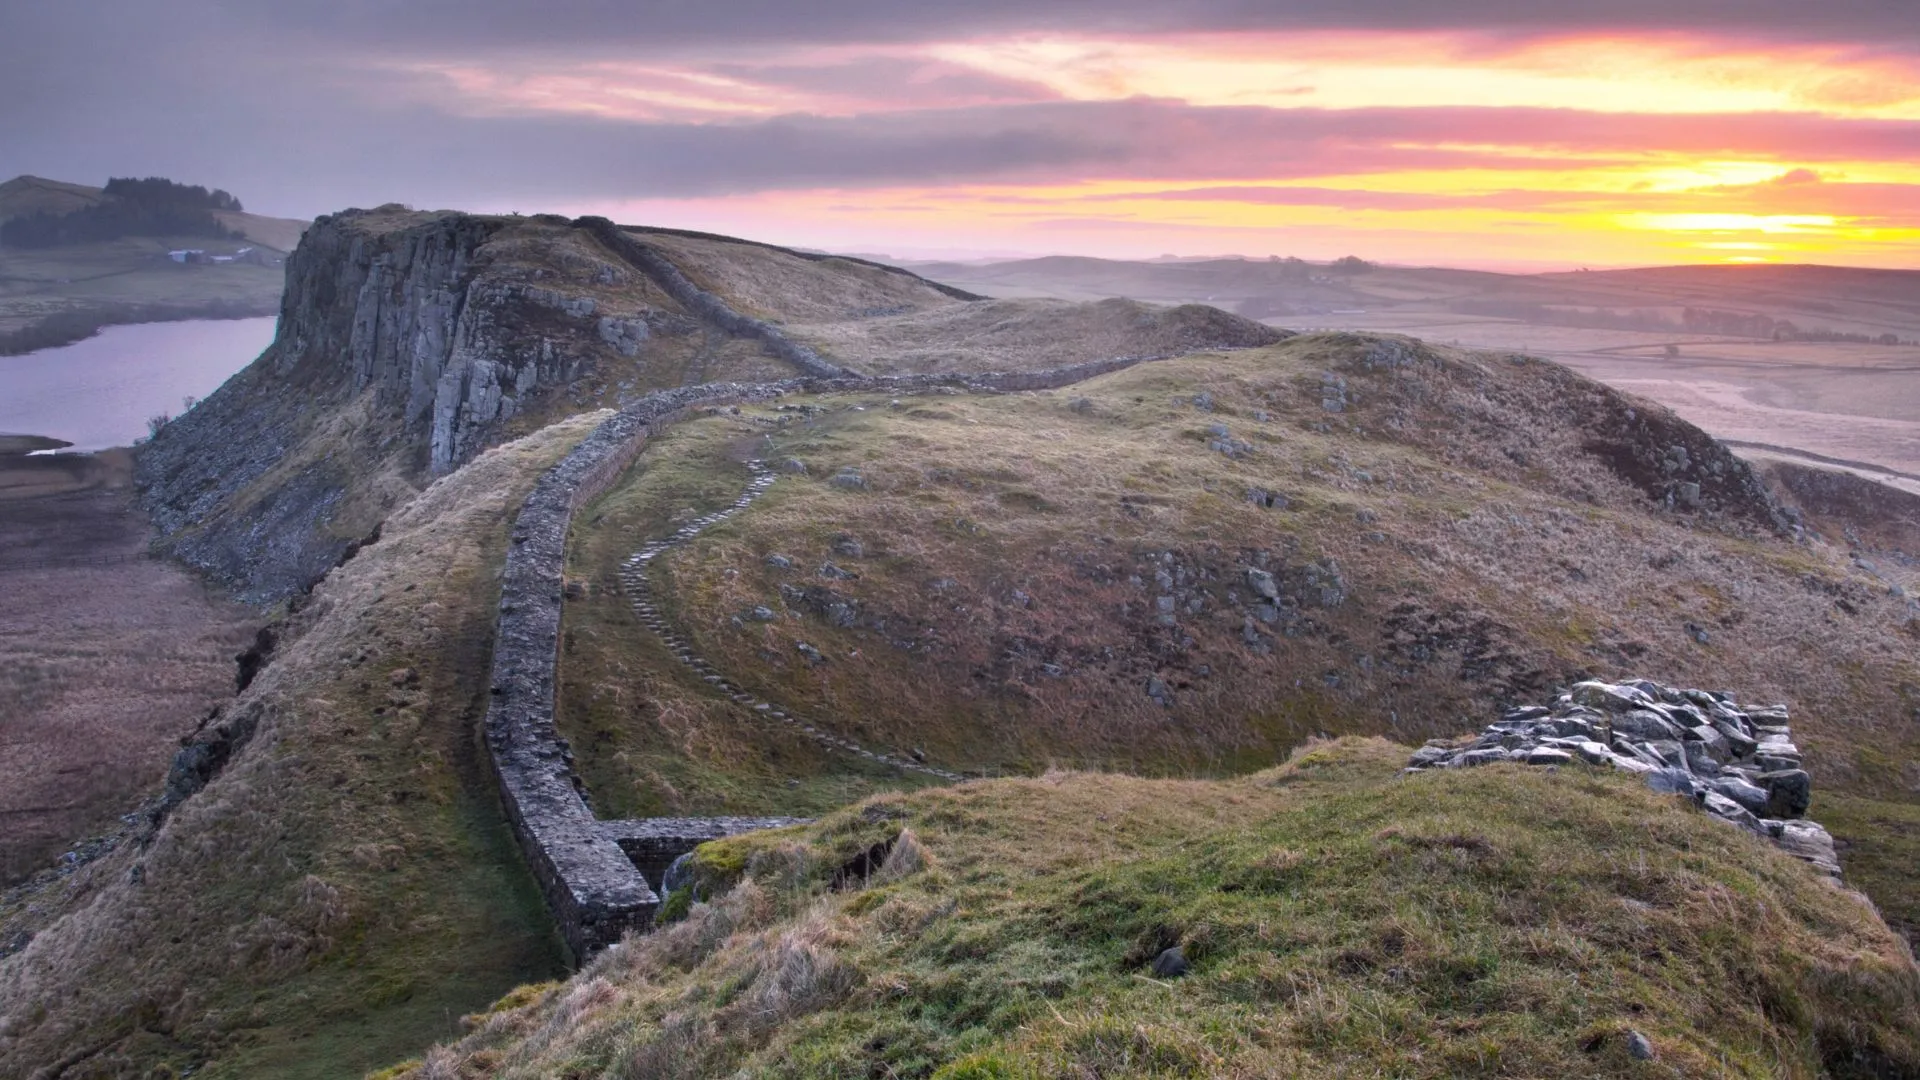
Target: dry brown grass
770 284
1488 555
1340 921
102 667
650 737
346 885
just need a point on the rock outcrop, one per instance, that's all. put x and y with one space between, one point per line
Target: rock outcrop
1738 764
407 344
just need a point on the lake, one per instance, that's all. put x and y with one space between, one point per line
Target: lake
99 392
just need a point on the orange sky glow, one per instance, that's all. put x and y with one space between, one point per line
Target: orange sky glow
1403 147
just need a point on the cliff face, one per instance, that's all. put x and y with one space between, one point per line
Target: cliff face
408 343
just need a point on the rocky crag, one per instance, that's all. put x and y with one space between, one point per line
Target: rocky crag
409 342
1738 764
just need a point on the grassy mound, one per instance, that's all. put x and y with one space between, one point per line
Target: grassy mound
1340 920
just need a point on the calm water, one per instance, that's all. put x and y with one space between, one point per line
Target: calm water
99 392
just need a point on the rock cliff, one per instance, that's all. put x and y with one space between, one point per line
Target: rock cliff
408 342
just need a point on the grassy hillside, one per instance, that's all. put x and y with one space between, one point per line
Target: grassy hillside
1064 579
1339 920
346 885
1183 570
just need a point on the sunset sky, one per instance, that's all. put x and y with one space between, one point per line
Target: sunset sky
1485 132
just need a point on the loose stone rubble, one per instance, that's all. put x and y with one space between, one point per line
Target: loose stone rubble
1737 763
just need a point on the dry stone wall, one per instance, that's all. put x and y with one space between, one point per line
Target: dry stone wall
593 887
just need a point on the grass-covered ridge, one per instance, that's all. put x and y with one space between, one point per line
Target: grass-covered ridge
346 886
1340 919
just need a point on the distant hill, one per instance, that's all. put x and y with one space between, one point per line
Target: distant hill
52 295
1814 298
38 195
25 195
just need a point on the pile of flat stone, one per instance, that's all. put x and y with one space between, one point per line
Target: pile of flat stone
1737 763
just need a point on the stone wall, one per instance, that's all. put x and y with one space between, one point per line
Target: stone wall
595 892
704 304
592 884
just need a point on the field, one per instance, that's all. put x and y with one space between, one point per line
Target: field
106 657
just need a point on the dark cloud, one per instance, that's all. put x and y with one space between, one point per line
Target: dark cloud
428 24
303 106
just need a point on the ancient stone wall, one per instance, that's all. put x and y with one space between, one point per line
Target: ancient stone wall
703 303
593 889
593 886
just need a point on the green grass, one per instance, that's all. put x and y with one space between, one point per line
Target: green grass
1341 920
650 738
1515 585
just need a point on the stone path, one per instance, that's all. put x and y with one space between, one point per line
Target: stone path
633 574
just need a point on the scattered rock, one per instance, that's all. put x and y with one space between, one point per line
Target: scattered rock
849 546
812 654
829 570
1639 1047
1170 964
1740 765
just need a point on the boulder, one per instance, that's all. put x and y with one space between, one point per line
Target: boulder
1807 840
1608 698
1727 810
1789 793
1734 787
1170 964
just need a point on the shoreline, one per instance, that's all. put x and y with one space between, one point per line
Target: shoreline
66 327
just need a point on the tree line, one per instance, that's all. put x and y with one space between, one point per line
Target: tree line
153 206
